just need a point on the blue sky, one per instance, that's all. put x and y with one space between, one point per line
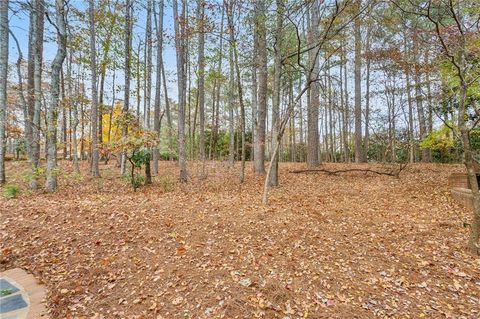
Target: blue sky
19 23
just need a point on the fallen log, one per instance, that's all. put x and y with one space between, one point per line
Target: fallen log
394 173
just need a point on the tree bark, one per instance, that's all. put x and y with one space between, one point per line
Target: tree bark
418 97
358 86
93 68
242 106
148 66
411 141
3 84
128 52
346 109
254 93
261 34
314 90
201 79
231 90
39 10
64 115
181 82
158 84
367 96
52 118
75 122
277 88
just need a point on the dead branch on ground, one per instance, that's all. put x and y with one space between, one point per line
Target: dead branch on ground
391 172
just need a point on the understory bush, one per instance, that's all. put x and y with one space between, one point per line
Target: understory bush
11 191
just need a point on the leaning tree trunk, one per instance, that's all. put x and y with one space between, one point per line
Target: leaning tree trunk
3 83
52 117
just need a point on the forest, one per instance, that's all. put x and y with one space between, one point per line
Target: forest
241 159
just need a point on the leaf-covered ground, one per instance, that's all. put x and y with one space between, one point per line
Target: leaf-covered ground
351 245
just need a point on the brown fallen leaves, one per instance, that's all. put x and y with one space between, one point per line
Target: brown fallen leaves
353 245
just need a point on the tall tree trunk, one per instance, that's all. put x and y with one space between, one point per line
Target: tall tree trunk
293 144
181 82
75 121
411 141
167 109
21 94
156 115
3 84
254 92
468 152
346 109
138 82
314 90
37 85
300 124
429 119
201 79
28 113
330 112
112 109
281 131
240 99
231 90
51 172
367 96
358 86
148 66
103 73
93 68
261 34
82 115
126 100
418 97
216 93
277 87
64 115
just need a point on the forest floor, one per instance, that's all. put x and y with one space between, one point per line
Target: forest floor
351 245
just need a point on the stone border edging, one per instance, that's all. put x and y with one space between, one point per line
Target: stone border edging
32 290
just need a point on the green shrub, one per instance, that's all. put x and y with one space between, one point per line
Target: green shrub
168 155
137 181
11 191
167 183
